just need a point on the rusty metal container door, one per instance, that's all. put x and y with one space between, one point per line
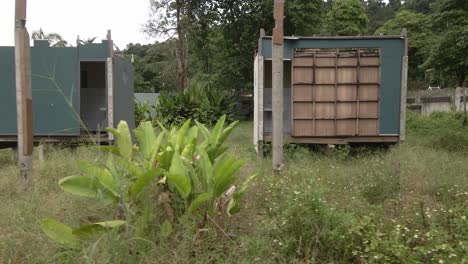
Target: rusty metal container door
335 92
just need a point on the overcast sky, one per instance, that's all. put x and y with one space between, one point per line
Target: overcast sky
86 18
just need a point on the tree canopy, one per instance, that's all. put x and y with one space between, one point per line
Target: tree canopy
347 18
212 43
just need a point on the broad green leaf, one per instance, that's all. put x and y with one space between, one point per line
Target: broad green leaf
146 138
206 169
172 136
157 146
91 230
217 152
130 166
164 158
204 130
145 179
215 134
193 134
102 174
233 207
181 135
145 218
224 171
59 232
87 187
179 176
247 182
110 149
201 198
166 229
190 143
226 132
124 140
235 202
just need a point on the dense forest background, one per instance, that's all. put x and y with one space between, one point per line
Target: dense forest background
212 43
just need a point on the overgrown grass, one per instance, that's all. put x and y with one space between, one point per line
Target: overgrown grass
406 204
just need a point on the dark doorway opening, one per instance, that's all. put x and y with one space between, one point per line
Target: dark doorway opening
93 96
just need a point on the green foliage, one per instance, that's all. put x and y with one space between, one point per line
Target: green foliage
143 111
59 232
65 235
420 6
154 66
371 207
448 55
178 163
420 38
378 12
303 18
440 130
55 39
347 18
423 220
205 105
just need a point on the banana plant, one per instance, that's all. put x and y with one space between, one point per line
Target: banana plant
214 140
178 160
204 179
118 183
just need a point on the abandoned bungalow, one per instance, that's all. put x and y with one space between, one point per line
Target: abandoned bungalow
77 92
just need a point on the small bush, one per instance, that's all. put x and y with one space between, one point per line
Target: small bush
143 112
443 130
206 105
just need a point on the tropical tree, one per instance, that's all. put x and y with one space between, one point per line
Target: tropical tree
421 6
449 54
174 19
55 39
347 18
303 18
378 12
154 66
87 41
420 38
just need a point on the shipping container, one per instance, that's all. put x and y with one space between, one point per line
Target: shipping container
77 92
336 90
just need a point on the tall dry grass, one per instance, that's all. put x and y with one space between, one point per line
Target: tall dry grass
406 204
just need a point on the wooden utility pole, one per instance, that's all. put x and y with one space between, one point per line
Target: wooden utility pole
277 93
23 95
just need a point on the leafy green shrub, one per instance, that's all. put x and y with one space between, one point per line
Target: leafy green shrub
142 112
443 130
304 227
205 105
183 172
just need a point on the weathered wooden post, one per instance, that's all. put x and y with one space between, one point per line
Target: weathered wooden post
277 93
404 86
110 83
23 95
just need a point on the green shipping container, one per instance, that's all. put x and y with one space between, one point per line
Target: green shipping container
336 90
77 91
